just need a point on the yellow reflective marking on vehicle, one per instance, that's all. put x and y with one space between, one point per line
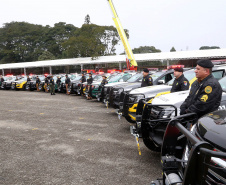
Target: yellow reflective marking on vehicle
138 145
192 80
150 101
132 109
133 118
161 93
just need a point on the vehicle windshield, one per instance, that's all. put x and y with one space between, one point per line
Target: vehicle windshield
222 82
11 78
187 74
115 78
135 77
77 77
156 75
98 78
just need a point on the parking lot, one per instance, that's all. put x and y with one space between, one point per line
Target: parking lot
68 140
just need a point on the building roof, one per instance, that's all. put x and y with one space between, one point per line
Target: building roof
179 55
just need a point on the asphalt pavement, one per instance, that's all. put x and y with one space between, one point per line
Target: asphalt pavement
68 140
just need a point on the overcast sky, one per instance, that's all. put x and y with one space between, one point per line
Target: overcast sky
184 24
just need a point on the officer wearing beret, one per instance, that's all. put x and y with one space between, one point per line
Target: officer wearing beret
104 81
52 85
83 79
38 81
205 93
67 83
180 83
89 83
147 80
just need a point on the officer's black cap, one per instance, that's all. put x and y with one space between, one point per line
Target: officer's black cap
104 76
146 70
179 69
205 63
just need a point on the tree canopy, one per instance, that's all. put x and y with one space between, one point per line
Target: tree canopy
146 49
209 47
172 49
25 42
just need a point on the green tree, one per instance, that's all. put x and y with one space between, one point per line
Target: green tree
46 55
87 19
172 49
209 47
146 49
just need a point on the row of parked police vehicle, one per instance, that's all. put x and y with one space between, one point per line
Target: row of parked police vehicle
193 151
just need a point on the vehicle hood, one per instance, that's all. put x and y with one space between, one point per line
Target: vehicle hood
175 99
113 84
151 91
212 127
129 86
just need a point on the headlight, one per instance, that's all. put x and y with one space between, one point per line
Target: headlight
135 98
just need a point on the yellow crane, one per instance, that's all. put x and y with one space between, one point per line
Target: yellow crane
122 34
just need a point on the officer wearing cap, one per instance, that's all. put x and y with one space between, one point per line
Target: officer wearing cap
205 93
180 83
147 80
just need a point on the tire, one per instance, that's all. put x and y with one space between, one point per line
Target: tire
148 142
24 87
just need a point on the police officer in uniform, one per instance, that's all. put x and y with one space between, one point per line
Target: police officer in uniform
37 83
2 80
180 83
28 79
67 82
83 79
52 85
147 80
89 83
104 81
205 93
46 84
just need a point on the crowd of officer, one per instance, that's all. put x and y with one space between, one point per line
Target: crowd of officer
204 96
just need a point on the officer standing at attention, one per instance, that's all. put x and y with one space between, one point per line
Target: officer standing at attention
37 83
147 80
205 93
46 84
52 85
180 83
89 83
104 81
28 78
67 82
83 79
2 80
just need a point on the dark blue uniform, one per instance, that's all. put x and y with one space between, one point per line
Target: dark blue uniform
146 81
180 84
204 97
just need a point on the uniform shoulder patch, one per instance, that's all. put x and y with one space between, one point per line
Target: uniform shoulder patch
208 89
185 83
204 98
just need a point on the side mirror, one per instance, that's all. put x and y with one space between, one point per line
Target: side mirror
121 80
161 81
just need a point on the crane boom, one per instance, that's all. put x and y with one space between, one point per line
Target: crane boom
122 35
